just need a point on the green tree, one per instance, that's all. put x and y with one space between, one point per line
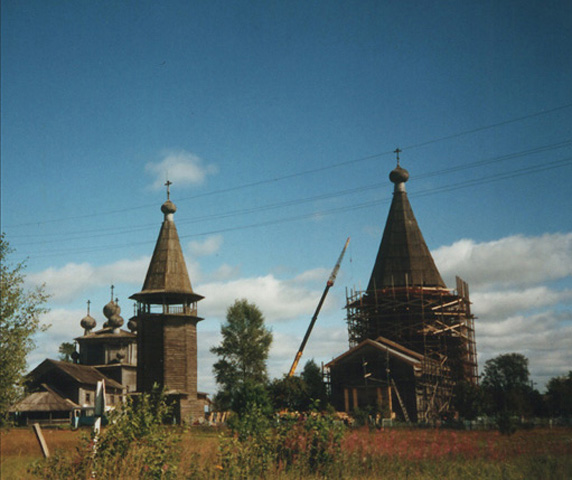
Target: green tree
300 393
20 311
66 351
506 385
312 376
468 400
290 393
242 353
559 396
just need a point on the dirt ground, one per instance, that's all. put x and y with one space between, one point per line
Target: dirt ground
19 447
23 442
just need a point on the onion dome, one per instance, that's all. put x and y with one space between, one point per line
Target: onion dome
115 321
88 322
111 309
111 312
168 207
399 175
132 324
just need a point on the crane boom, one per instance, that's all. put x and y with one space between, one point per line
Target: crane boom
329 284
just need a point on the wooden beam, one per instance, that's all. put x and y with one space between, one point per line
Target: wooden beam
41 440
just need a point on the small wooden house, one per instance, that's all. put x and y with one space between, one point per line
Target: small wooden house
44 406
60 387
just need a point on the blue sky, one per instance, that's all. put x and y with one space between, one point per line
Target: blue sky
276 123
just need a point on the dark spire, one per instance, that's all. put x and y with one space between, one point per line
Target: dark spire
403 257
167 274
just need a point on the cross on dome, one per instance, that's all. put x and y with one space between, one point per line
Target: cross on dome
397 151
168 183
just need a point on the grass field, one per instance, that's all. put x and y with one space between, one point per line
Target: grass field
390 453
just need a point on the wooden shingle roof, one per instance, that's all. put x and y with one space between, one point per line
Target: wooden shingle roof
83 374
46 400
403 258
167 274
380 344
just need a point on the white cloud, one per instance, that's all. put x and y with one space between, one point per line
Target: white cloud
519 305
544 338
72 280
181 167
64 327
316 274
515 260
502 303
277 299
224 272
209 246
521 296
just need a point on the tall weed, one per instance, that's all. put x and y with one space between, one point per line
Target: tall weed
135 444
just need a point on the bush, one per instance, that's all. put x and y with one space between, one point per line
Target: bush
258 447
506 424
136 444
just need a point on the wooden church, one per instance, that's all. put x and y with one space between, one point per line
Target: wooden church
160 348
411 338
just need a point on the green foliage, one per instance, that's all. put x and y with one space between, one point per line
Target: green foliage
506 423
312 376
506 372
136 441
290 393
242 353
303 446
324 434
248 452
251 424
360 416
559 396
297 394
20 312
506 385
66 350
468 400
249 395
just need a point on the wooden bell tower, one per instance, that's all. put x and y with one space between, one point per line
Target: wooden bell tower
167 323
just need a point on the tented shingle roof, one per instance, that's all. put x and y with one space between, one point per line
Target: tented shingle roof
167 273
403 258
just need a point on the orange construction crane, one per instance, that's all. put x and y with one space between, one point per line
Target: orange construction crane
329 284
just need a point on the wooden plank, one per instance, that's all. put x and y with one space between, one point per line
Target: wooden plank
41 440
355 398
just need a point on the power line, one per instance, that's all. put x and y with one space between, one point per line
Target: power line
488 127
304 172
234 213
432 191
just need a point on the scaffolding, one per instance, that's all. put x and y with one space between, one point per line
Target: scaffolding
434 322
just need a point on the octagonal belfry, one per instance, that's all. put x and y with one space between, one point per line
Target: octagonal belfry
166 322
